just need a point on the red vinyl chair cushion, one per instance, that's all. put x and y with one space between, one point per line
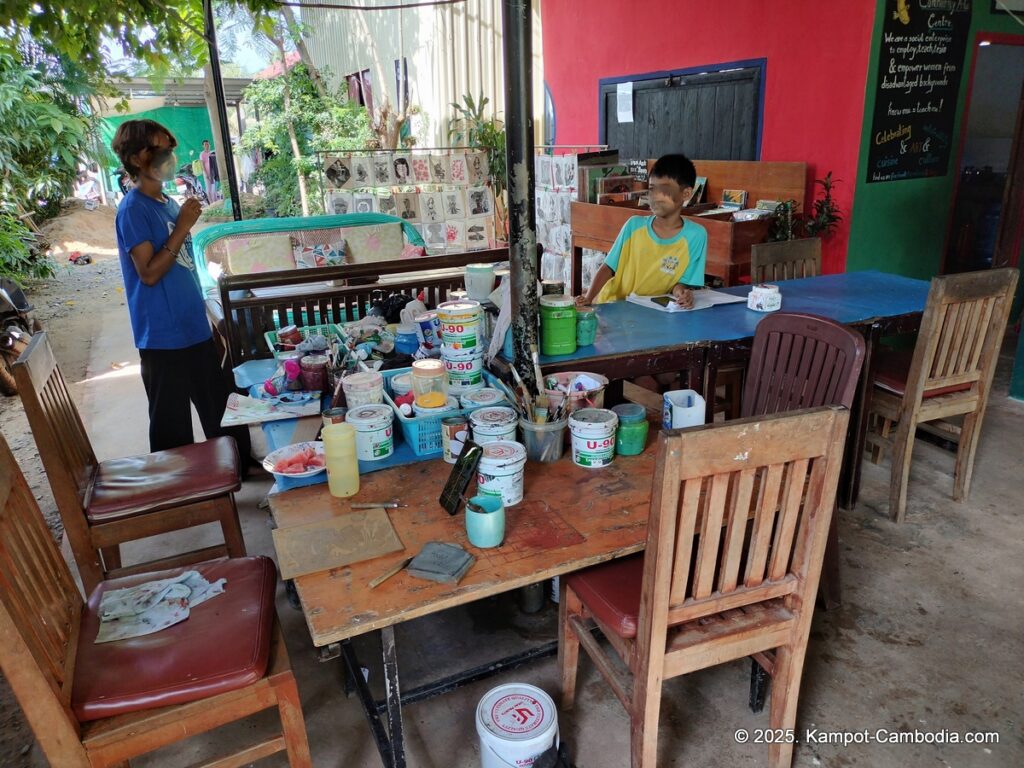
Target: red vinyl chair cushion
892 367
222 646
611 592
139 484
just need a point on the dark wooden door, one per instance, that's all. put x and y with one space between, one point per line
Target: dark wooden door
711 116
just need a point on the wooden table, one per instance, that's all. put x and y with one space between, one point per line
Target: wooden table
633 341
570 518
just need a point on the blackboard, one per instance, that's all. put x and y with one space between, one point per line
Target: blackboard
921 60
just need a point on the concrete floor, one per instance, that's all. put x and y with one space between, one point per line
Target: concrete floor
928 638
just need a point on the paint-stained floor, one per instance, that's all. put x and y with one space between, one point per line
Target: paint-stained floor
926 647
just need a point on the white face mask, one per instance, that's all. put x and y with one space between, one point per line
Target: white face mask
164 165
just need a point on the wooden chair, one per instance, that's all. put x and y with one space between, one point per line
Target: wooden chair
106 503
735 539
95 705
948 374
785 260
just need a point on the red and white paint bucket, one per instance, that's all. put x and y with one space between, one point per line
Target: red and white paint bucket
516 724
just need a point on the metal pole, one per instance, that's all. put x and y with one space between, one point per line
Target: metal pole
222 109
517 36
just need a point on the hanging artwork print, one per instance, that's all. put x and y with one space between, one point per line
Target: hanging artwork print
439 168
408 206
476 234
432 207
337 171
386 204
457 173
383 173
361 174
363 203
454 205
476 166
339 202
403 170
479 201
421 169
455 234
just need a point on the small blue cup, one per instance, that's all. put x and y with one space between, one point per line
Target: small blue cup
486 529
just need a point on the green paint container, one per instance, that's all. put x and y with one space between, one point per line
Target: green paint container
557 325
586 326
631 437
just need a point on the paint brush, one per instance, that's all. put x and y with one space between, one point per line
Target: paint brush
537 375
540 409
398 568
377 505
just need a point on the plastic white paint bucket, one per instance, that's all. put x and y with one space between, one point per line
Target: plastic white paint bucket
516 724
593 437
493 424
401 384
481 398
501 469
465 369
460 324
374 434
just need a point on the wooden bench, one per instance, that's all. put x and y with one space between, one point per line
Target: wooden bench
245 307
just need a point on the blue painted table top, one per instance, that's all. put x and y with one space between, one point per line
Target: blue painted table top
848 298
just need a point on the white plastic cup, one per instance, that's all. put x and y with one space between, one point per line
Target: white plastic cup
479 281
593 437
374 431
501 470
682 408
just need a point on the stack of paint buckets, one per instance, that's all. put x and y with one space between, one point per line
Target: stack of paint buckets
462 349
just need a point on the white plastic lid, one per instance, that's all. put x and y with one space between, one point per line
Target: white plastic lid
370 415
485 396
498 416
362 381
517 712
500 453
557 300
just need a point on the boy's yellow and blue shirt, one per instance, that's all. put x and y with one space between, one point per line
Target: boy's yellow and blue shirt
649 265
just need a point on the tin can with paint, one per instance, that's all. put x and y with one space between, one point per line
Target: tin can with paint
593 437
460 324
374 433
501 469
428 329
465 369
494 423
454 434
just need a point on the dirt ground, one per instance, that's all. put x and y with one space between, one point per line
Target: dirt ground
65 306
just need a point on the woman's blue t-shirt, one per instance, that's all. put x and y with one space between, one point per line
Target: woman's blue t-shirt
170 314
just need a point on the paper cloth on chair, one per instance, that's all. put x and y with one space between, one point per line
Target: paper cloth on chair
153 606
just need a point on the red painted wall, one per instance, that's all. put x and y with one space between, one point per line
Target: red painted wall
817 62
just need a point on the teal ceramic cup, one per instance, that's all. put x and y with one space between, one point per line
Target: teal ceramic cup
486 529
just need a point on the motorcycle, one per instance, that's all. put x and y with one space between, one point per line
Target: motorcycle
188 185
16 328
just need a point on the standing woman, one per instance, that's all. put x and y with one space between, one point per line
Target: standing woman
180 363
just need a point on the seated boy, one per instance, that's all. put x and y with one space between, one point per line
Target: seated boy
656 254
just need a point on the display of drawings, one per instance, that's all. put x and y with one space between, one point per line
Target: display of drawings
443 194
556 182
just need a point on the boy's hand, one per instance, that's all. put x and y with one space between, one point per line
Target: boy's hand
582 301
189 214
683 296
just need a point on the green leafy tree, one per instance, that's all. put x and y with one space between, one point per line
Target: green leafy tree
291 108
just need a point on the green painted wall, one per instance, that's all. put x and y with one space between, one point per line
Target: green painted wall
900 226
1017 381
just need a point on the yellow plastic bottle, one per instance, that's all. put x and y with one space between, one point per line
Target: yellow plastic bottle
342 463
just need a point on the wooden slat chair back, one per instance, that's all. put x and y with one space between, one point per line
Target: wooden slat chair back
950 374
41 611
72 470
735 539
785 260
801 361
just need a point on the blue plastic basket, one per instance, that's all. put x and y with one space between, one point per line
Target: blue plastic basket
326 329
423 433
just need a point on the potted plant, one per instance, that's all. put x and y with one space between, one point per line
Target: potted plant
471 127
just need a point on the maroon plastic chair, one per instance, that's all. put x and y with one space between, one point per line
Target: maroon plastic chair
802 361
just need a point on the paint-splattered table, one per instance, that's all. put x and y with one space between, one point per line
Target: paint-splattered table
570 518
